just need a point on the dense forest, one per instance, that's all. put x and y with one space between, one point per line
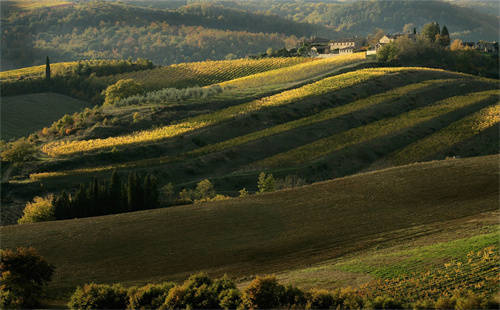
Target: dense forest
98 30
177 31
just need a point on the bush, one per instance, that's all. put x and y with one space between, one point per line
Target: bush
40 210
263 293
445 302
99 296
151 296
122 89
24 273
197 292
293 297
469 301
384 302
320 299
18 151
230 299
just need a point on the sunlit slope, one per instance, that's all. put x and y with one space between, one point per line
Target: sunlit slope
261 233
335 116
204 73
24 114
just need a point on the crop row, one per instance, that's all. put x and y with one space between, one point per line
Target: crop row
201 121
374 130
445 138
323 115
477 272
204 73
294 74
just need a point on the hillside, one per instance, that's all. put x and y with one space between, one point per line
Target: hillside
111 30
266 233
317 129
24 114
467 20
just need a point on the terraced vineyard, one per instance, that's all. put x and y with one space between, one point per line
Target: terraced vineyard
204 73
318 88
377 129
345 111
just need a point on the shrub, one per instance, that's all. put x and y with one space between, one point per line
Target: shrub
320 299
469 301
266 183
384 302
151 296
99 296
175 299
243 192
263 293
122 89
293 297
19 151
196 292
24 273
230 299
40 210
445 302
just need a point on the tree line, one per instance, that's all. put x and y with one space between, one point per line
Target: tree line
138 192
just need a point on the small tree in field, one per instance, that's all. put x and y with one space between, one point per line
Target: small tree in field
122 89
205 190
266 183
24 273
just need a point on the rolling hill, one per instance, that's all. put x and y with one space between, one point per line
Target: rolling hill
318 129
467 20
266 233
112 30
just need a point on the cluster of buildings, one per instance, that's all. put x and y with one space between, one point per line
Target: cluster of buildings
324 48
482 46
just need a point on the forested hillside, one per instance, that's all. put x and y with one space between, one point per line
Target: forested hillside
363 17
103 30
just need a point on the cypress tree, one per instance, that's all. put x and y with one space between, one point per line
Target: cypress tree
445 36
115 193
47 69
131 191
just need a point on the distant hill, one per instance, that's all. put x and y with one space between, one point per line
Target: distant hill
467 20
97 30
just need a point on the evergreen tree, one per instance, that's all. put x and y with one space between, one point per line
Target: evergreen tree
444 37
132 192
47 69
115 193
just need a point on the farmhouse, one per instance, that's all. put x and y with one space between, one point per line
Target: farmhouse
320 47
388 38
487 47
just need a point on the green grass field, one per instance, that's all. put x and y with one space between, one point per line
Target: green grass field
24 114
267 233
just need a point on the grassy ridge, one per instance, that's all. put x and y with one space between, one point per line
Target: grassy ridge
456 132
423 83
261 233
204 73
383 127
24 114
315 89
